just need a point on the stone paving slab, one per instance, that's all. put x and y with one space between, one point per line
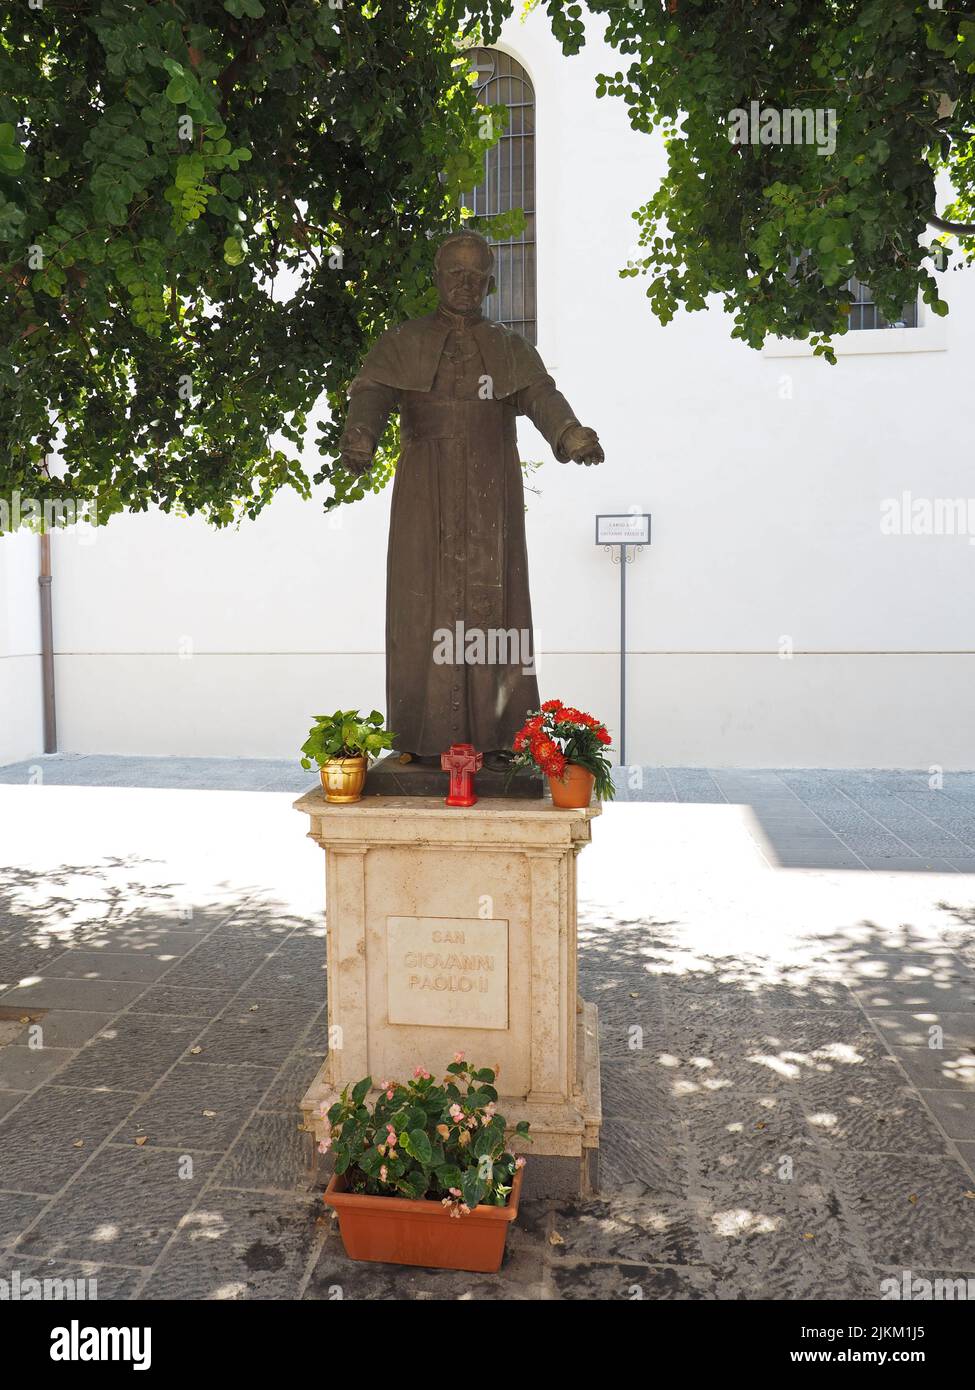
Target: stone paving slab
241 1245
76 1279
635 1162
8 1099
123 1207
270 1155
49 1137
890 821
521 1278
585 1282
874 1116
627 1229
183 1001
295 971
954 993
200 1107
938 1069
62 1028
132 1053
23 1068
17 1211
262 1033
85 996
913 1028
953 1111
292 1081
913 1209
110 965
776 1244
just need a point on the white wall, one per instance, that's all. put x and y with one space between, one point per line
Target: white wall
21 709
172 637
765 475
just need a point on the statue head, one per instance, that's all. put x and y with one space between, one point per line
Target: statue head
462 271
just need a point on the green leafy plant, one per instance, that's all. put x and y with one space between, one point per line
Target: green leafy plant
345 734
558 735
443 1141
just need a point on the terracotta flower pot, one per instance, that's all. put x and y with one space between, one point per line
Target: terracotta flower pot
573 790
343 779
397 1231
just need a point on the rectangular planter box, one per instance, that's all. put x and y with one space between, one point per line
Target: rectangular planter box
395 1230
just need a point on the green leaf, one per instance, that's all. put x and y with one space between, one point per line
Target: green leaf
12 157
420 1147
233 251
412 1185
370 1161
472 1187
449 1175
484 1143
361 1089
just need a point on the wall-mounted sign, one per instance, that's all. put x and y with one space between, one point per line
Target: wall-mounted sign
628 528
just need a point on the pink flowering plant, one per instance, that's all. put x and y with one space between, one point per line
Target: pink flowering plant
441 1141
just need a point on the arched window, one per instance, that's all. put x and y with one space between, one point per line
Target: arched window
509 182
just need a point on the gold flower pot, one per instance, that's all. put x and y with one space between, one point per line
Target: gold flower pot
343 779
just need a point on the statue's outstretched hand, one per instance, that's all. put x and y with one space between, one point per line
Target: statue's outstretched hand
358 449
582 445
356 461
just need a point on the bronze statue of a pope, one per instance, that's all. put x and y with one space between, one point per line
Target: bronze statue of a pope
457 602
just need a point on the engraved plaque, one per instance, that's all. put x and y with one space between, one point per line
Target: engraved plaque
447 972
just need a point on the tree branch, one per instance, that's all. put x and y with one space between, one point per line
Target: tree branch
959 228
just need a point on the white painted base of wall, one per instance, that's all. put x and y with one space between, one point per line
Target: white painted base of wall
882 710
21 708
219 705
734 709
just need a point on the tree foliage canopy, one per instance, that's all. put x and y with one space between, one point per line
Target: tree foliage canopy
778 229
207 211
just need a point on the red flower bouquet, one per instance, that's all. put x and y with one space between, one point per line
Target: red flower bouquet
559 737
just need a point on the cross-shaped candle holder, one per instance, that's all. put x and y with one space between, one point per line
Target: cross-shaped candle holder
461 760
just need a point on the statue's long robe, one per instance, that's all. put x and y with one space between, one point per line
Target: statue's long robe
457 550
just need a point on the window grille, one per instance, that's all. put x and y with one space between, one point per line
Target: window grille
865 314
509 182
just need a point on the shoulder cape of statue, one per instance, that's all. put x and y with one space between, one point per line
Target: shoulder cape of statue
407 357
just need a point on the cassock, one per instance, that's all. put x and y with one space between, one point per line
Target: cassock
457 562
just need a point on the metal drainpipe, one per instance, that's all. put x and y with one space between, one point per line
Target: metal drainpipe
44 580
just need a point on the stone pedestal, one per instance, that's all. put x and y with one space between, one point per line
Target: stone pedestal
455 931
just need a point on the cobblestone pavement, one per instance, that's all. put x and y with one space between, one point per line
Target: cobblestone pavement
775 957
